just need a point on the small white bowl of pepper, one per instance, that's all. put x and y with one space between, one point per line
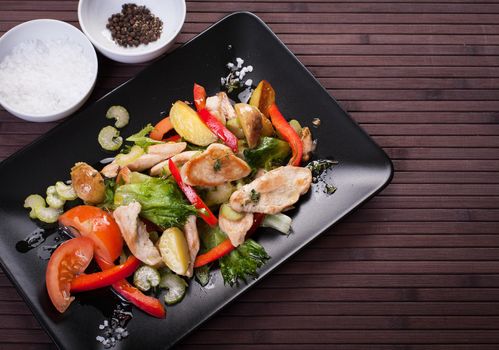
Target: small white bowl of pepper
132 32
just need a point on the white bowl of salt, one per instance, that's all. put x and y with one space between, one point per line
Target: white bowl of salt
48 70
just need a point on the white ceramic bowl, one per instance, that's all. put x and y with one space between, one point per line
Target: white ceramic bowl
93 16
48 29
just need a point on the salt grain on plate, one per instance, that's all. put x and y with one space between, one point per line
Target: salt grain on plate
42 77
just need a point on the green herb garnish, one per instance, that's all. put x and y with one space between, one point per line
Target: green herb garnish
217 165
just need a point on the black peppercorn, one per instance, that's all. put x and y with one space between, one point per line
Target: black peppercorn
134 25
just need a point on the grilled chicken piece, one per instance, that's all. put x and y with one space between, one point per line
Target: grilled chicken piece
220 106
214 166
271 193
236 230
88 183
250 119
308 144
111 170
192 238
179 160
135 234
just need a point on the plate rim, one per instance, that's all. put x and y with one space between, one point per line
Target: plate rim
386 181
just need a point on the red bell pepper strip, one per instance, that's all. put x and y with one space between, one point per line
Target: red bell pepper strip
174 138
225 247
161 129
218 129
288 133
104 278
199 97
192 196
214 253
148 304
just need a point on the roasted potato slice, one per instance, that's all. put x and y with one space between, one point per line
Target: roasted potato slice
263 97
174 250
187 124
250 119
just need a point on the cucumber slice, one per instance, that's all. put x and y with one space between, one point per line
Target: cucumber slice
53 199
176 287
64 191
134 154
120 114
146 277
34 201
109 138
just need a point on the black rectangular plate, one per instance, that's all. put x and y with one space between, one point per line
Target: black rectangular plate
363 170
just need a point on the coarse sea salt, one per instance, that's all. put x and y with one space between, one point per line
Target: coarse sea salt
41 77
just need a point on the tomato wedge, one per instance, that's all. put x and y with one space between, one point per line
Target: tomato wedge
105 278
70 259
99 226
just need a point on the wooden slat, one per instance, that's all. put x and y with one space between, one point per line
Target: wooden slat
417 266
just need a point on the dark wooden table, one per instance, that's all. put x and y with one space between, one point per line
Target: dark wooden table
418 266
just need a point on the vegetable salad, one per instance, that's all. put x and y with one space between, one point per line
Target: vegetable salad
181 198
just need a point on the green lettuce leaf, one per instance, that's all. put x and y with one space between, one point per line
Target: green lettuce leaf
161 201
141 139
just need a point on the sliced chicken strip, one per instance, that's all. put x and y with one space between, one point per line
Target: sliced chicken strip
135 234
111 170
236 230
179 160
226 107
145 161
214 166
220 106
213 104
192 238
272 192
167 149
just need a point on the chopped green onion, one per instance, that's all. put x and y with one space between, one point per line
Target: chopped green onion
64 191
53 199
120 114
34 201
279 222
48 215
146 277
109 138
230 214
39 211
176 287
